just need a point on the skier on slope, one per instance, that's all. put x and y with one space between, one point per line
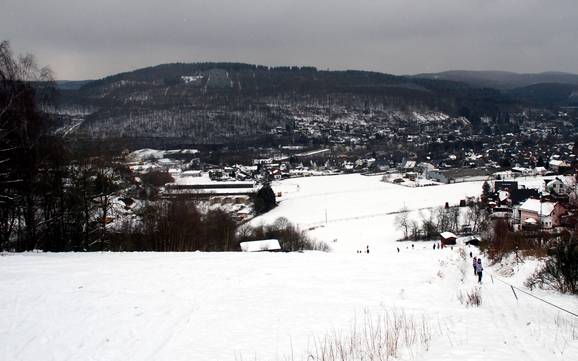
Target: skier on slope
479 270
474 265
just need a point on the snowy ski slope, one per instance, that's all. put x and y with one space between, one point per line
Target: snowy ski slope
273 306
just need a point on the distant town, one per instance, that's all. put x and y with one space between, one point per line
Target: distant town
436 150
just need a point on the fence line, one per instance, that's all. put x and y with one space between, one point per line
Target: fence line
534 296
367 216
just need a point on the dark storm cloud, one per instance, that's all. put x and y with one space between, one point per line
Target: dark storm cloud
87 39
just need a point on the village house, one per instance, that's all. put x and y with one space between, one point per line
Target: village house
542 214
437 175
558 185
557 165
408 165
191 185
448 238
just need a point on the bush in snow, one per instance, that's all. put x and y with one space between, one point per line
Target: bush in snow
389 336
560 270
472 298
503 241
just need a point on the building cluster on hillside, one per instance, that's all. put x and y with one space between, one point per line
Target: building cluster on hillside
409 148
530 142
342 126
550 207
400 166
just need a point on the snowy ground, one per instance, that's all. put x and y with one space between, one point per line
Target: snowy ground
231 306
239 306
358 211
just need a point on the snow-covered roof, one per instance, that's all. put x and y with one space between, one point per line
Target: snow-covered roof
142 154
203 179
181 151
466 239
558 163
258 246
535 206
409 164
567 181
166 161
446 235
522 170
426 166
503 195
191 173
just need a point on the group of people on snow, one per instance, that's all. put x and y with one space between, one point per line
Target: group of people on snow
476 263
478 269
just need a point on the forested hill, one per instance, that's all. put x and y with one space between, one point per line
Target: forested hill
547 94
257 81
503 80
549 89
215 101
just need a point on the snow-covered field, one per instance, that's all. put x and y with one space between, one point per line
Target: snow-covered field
273 306
360 210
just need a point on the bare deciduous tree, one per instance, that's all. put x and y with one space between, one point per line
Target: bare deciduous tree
21 128
402 221
476 217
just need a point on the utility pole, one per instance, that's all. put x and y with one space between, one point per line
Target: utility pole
540 215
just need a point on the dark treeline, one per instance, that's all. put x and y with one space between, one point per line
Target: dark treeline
57 196
176 226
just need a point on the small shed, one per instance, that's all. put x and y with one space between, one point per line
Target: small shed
266 245
448 238
471 240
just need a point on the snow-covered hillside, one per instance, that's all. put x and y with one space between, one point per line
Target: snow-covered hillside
276 306
239 306
359 210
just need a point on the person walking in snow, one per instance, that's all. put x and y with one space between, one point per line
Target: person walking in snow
479 270
474 264
367 249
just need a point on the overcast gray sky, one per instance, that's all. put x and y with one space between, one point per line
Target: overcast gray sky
83 39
